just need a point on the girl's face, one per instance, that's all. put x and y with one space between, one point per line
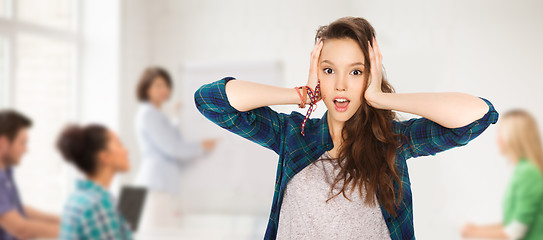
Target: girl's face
340 74
115 155
159 91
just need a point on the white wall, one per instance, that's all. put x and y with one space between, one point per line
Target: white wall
99 83
485 48
135 56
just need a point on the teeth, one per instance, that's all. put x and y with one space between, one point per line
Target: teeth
341 100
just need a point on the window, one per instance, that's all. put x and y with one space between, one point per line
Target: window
55 14
3 71
4 8
38 64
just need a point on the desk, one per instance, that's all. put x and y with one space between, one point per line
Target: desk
209 227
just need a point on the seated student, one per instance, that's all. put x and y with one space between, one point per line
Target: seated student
16 220
520 142
90 212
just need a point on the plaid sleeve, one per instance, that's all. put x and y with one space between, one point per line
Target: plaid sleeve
262 125
70 227
423 137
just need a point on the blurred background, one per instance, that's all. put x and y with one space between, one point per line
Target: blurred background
79 61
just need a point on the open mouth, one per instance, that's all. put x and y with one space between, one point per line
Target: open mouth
341 104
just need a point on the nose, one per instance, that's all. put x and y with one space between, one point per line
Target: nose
341 83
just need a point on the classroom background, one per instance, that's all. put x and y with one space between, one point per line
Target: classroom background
79 61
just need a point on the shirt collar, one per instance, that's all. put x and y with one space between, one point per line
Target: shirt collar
322 133
87 185
147 104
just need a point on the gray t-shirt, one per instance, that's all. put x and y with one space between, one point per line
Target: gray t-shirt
305 214
9 198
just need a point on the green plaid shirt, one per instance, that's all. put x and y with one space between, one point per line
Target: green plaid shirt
281 133
90 213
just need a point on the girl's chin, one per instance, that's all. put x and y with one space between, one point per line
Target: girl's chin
340 116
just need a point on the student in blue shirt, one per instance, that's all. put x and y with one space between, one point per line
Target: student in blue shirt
18 221
344 176
90 212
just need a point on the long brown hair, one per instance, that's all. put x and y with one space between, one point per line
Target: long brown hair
369 142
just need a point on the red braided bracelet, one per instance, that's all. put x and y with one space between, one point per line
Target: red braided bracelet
302 99
314 97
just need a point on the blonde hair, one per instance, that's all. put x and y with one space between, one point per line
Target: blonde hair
521 136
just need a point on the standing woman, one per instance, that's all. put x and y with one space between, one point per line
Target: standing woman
520 142
91 212
163 149
344 176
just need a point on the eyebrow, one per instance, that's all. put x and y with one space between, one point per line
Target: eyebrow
352 64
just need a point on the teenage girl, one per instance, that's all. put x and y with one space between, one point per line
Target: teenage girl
344 176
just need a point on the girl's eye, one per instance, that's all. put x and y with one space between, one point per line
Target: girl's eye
328 71
356 72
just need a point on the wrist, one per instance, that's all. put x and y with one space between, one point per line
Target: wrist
306 95
302 96
376 99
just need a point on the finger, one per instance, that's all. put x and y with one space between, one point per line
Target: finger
372 57
320 46
371 50
377 54
314 52
319 50
314 49
312 57
378 50
375 47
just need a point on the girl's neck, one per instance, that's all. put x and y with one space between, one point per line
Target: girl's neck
103 178
158 105
336 129
512 158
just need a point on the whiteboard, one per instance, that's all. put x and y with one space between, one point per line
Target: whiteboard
238 176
